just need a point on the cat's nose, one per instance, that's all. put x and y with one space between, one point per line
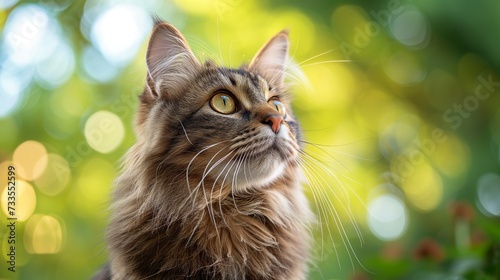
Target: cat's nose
274 121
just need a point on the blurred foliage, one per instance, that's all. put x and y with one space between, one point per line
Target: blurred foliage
400 98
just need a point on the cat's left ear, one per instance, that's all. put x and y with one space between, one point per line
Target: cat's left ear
270 61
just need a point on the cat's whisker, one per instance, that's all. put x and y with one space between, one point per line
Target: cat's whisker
308 179
220 203
233 181
245 168
345 194
315 56
336 218
326 62
185 132
336 151
295 75
200 185
241 161
222 183
346 190
315 186
209 202
192 160
203 50
327 169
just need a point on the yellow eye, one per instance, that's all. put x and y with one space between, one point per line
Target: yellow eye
278 106
223 103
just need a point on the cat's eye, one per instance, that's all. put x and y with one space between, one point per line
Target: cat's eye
276 104
223 103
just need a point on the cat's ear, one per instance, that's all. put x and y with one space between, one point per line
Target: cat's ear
171 63
270 61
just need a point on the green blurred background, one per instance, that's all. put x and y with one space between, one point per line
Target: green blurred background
401 99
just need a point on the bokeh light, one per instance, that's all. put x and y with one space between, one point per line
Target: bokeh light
32 47
387 217
25 201
56 175
119 30
43 235
451 157
411 28
104 131
488 190
56 69
423 186
29 36
30 158
10 92
4 167
97 67
404 67
7 4
400 135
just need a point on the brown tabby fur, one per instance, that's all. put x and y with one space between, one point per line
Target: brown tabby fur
204 195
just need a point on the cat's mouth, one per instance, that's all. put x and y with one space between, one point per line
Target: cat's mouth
267 144
279 148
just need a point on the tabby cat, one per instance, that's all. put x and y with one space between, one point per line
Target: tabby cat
211 188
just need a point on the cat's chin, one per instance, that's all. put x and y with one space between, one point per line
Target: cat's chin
263 173
264 168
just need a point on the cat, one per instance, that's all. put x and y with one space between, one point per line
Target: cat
211 189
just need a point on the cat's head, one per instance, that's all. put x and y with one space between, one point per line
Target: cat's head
234 126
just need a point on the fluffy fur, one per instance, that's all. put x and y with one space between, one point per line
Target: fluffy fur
204 195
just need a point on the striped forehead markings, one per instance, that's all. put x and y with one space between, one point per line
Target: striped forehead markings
248 84
232 73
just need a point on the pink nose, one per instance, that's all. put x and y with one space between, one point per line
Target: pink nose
275 122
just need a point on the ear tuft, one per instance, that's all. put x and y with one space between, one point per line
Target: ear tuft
270 61
171 63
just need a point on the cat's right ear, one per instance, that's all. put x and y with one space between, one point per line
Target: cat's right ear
171 63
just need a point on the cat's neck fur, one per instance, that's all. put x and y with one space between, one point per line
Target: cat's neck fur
254 235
